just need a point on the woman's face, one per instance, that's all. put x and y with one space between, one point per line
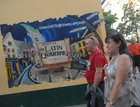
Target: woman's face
113 47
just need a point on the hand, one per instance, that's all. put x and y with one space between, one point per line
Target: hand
94 87
105 78
108 105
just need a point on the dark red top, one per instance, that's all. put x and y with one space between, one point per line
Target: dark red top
97 59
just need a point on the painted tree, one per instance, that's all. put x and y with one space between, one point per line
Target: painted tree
130 20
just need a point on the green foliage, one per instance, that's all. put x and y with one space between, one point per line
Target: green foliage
130 20
109 20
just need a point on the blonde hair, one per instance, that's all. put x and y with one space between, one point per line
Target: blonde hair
94 39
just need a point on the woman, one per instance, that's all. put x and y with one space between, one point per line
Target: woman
120 88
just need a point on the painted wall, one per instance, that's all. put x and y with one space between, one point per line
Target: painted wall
15 11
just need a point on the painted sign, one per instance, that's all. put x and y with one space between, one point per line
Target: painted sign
55 52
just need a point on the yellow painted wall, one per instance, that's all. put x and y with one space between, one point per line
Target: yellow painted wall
15 11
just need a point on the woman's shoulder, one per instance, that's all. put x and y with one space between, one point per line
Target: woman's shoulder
123 62
123 58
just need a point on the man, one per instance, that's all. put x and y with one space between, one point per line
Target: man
97 60
134 48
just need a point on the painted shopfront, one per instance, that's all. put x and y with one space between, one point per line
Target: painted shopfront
43 49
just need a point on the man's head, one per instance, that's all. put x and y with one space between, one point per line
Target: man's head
91 44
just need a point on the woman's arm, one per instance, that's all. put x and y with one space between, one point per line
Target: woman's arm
123 66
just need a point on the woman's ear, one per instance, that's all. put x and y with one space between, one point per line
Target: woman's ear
119 44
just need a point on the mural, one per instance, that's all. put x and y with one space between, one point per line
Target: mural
49 51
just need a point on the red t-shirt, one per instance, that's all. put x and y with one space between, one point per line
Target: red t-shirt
97 59
134 49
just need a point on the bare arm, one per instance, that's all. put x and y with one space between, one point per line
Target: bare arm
97 77
123 67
